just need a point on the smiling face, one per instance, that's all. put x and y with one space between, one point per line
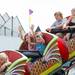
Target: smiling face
39 37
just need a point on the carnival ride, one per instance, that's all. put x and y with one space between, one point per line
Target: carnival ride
57 54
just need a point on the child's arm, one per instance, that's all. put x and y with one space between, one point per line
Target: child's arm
30 43
71 26
4 66
67 22
32 29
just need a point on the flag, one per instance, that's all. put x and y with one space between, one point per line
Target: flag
30 11
30 17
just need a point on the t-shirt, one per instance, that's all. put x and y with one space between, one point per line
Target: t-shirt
40 47
59 22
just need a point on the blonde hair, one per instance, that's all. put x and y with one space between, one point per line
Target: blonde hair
3 56
58 13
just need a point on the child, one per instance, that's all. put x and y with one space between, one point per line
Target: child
4 63
58 24
40 42
70 23
37 43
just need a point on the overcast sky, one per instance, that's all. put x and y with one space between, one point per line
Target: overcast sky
43 10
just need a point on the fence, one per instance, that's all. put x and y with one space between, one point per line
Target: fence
9 25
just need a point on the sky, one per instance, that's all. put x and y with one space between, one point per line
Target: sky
43 11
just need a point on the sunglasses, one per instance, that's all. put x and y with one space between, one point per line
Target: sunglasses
38 36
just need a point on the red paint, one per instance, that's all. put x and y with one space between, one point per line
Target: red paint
63 49
27 72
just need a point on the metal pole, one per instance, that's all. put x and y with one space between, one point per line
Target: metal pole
4 31
12 27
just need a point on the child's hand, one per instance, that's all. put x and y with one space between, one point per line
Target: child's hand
64 26
2 67
32 27
48 30
8 63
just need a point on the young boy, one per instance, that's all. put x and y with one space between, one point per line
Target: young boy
58 24
4 63
40 42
